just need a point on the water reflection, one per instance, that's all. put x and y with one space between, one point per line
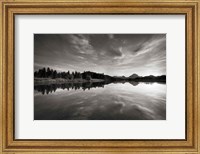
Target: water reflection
100 101
49 88
46 89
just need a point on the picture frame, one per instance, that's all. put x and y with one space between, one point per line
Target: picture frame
47 7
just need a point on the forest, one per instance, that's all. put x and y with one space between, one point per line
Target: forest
53 74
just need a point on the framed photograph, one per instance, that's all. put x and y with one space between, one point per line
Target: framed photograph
97 76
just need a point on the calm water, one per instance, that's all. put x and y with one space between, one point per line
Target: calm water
100 101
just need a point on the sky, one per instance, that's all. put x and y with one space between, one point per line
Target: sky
111 54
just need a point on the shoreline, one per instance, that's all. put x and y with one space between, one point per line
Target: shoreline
47 81
43 81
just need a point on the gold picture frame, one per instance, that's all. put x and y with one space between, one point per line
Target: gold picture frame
9 8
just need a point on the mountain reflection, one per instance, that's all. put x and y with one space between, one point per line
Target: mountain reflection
50 88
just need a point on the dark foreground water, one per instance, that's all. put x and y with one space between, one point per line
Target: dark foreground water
100 101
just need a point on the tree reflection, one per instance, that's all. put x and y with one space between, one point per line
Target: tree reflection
50 88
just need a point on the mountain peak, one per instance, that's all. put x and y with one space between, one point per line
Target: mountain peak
133 76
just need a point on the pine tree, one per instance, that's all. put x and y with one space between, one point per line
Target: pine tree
48 72
54 74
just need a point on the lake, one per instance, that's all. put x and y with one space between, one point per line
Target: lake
100 101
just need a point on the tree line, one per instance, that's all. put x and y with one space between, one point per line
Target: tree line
50 73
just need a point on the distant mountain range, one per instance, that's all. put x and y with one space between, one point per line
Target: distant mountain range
150 78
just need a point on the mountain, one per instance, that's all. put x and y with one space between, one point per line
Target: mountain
133 76
151 78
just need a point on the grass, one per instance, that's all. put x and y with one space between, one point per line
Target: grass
61 80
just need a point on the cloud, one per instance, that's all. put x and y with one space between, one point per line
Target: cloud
112 54
81 44
153 45
138 49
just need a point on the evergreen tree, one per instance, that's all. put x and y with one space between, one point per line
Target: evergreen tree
72 76
44 72
48 72
54 74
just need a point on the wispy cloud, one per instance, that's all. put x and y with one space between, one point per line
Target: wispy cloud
113 54
81 44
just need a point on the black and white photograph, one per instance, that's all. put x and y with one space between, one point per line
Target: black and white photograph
100 77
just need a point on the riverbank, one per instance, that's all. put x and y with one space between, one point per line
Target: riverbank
44 81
